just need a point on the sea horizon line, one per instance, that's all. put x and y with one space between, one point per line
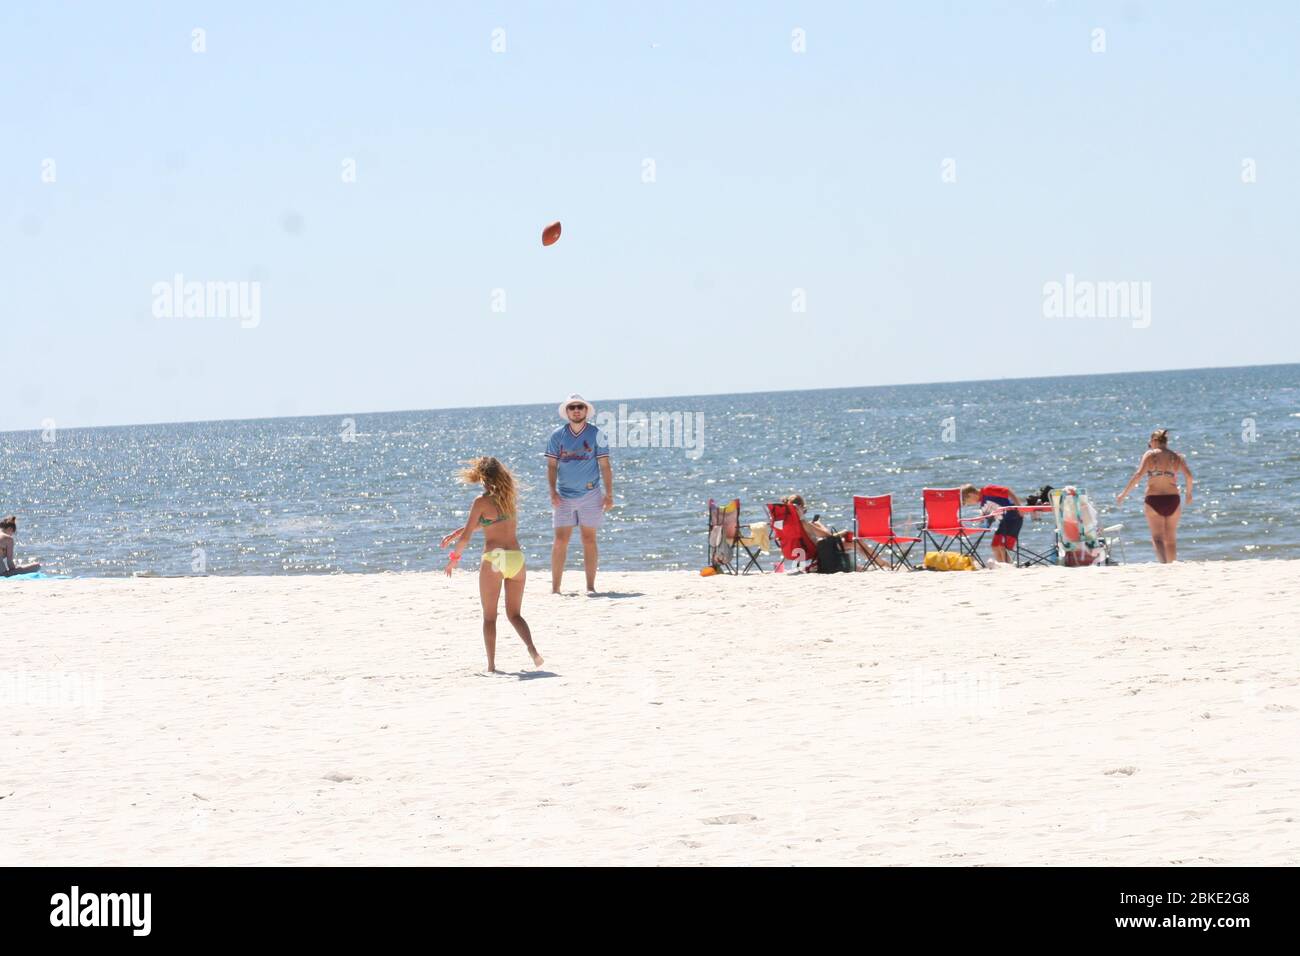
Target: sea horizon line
655 398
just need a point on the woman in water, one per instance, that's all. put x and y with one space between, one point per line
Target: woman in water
1163 505
503 563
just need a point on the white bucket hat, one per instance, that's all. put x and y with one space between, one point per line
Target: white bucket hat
591 409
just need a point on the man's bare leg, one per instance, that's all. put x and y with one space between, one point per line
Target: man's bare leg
590 557
559 554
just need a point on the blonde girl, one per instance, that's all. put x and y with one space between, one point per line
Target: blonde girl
493 512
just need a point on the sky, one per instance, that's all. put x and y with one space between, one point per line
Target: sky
754 196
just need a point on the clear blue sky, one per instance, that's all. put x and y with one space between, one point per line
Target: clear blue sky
775 171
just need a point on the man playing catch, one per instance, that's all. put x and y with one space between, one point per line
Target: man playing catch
577 465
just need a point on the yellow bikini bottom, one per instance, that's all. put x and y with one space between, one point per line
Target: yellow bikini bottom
507 563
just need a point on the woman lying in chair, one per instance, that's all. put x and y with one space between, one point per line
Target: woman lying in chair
816 531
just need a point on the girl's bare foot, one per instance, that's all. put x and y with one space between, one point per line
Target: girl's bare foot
537 658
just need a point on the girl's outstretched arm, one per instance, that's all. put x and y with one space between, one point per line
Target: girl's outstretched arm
461 538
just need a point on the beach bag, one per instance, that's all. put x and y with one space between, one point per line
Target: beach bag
948 561
831 557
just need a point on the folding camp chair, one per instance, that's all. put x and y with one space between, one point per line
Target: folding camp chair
1028 557
942 524
997 502
1079 541
789 532
873 524
722 538
755 543
726 543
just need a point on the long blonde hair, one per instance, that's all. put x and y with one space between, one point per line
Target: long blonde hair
498 484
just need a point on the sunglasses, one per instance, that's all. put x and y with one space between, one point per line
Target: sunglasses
575 408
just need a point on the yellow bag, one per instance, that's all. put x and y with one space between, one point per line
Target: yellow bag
948 561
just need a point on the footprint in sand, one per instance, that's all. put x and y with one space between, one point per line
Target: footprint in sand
730 818
1123 771
337 777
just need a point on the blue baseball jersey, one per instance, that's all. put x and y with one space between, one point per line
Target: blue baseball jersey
577 471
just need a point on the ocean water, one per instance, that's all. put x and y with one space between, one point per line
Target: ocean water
322 495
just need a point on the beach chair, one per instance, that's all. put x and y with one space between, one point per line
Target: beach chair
796 546
1028 557
722 537
757 542
873 524
727 543
1079 540
942 524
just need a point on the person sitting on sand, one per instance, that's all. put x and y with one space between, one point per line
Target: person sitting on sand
1164 507
503 563
995 502
8 562
816 531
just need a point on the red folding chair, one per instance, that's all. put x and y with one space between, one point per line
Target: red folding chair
942 524
873 524
795 544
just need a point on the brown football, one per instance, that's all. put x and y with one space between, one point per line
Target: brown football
551 234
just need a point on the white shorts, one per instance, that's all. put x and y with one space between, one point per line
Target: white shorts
585 512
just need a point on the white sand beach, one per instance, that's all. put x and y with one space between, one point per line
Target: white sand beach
1144 714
